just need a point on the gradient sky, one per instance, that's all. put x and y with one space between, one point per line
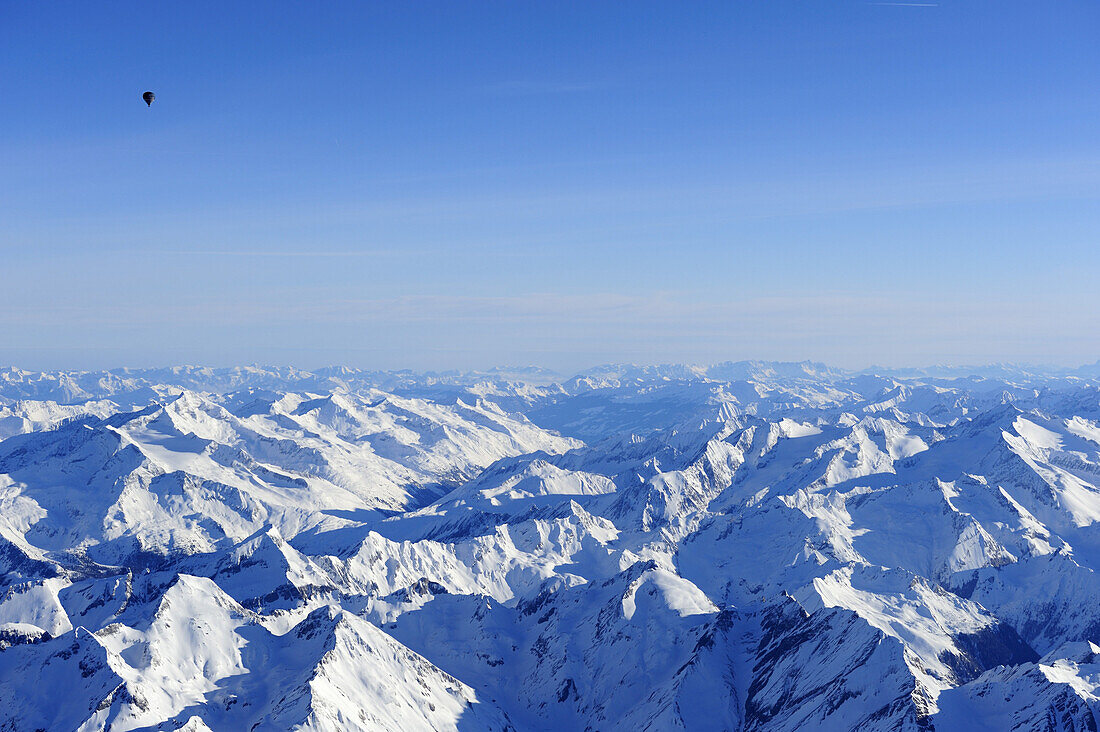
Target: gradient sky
458 184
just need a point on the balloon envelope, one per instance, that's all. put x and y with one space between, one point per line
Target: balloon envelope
148 97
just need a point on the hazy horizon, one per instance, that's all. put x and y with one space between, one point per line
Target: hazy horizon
962 369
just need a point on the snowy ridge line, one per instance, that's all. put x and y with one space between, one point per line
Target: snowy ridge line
745 546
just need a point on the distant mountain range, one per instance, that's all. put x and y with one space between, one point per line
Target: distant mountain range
746 546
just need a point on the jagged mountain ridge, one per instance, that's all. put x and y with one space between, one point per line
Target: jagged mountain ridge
746 546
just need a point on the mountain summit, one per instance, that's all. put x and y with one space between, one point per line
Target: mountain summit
749 546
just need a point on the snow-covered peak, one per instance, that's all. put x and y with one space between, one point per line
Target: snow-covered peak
748 546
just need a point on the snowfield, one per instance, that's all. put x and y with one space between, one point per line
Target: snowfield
747 547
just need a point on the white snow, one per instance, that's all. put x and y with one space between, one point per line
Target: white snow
747 546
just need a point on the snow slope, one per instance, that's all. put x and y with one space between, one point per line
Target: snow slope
746 546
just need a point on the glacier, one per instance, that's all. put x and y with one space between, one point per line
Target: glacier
745 546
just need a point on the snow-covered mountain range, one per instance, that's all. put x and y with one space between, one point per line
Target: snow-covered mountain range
747 546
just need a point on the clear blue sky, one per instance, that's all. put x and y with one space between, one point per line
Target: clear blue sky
458 184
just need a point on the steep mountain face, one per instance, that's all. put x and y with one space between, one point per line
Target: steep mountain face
748 546
1058 692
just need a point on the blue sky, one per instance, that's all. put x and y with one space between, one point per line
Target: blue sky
458 184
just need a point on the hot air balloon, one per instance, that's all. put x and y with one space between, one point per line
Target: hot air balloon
148 97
